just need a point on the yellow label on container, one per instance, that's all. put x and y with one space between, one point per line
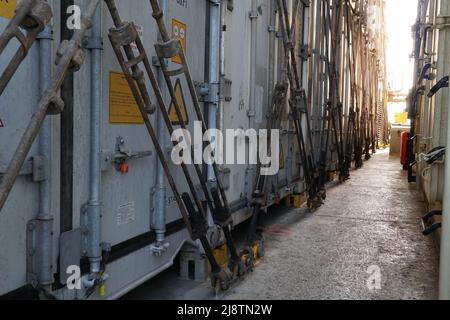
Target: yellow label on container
7 8
401 118
123 108
179 30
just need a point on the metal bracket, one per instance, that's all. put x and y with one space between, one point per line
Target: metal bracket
442 22
121 156
37 230
27 168
93 43
226 89
208 92
40 168
46 34
158 249
214 93
202 90
36 166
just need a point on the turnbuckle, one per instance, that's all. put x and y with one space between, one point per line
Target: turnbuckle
77 59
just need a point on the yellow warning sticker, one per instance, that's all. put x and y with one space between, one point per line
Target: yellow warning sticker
7 8
173 116
401 118
123 108
179 30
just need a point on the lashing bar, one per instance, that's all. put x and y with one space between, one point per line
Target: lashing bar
195 219
33 16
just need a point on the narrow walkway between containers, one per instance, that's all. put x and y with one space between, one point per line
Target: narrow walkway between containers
369 224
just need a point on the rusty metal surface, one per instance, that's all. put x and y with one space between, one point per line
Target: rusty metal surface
374 219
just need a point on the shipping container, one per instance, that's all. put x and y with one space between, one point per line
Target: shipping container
100 159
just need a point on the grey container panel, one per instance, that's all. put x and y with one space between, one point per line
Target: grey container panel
125 197
238 57
194 16
135 187
17 107
18 100
237 68
21 207
133 191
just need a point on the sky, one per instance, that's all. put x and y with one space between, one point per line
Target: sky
400 17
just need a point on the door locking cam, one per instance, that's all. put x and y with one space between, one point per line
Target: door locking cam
120 159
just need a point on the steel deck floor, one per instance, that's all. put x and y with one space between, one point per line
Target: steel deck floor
371 220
